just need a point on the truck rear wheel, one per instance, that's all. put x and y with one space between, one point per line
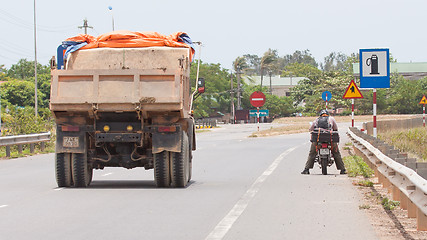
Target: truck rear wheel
180 163
63 169
162 169
82 172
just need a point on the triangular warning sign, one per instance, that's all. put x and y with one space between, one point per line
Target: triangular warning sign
352 91
423 100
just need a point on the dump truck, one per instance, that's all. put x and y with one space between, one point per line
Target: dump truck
123 107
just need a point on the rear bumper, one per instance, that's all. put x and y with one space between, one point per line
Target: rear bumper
118 137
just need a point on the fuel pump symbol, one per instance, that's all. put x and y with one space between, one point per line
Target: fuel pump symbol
373 62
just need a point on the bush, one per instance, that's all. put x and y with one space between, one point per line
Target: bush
357 167
23 121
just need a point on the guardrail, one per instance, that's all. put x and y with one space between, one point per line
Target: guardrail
406 186
20 140
205 123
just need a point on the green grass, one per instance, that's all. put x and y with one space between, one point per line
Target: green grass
49 148
389 204
357 167
365 183
412 141
364 206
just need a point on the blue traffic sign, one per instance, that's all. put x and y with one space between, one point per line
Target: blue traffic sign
374 68
262 112
326 96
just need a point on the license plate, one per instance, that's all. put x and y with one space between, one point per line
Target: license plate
72 142
324 151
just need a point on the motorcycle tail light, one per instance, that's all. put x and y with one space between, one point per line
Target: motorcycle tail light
324 145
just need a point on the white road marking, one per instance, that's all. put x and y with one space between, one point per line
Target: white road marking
3 206
227 222
107 174
58 189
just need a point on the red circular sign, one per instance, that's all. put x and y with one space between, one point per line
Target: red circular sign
257 99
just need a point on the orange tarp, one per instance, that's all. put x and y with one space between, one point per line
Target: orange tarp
128 39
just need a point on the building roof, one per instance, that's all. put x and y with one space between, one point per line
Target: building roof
275 80
409 69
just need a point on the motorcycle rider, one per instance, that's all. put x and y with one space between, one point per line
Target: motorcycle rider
327 122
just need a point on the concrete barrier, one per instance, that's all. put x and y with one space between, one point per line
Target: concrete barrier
394 124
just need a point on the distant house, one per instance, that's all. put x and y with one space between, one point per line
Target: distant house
280 86
409 70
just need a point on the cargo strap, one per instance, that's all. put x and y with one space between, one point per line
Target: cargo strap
318 136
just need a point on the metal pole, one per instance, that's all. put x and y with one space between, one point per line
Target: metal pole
239 102
352 112
257 116
424 115
198 62
197 74
375 112
231 98
326 101
0 114
35 61
112 16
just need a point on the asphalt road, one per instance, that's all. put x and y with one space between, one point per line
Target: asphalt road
242 188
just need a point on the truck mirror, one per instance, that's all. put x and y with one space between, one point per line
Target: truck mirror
201 85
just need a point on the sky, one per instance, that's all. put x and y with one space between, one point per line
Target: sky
228 29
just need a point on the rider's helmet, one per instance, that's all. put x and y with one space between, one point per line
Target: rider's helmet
324 112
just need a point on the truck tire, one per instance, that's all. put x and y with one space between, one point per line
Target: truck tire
63 169
162 169
180 162
82 172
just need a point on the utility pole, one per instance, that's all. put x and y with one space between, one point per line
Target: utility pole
35 62
85 25
232 98
239 103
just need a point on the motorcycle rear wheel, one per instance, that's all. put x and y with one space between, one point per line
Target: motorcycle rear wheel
324 164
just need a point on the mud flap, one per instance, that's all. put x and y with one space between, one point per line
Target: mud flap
170 141
70 142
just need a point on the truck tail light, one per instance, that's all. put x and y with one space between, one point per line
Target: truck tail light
166 129
70 128
106 128
324 145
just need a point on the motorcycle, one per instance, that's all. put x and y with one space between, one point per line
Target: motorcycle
324 139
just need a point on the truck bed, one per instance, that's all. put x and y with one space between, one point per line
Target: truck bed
150 79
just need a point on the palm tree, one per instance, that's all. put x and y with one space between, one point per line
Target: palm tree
267 61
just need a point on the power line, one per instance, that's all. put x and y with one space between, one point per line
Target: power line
11 59
7 17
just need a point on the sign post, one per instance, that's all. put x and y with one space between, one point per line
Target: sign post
374 73
352 92
424 102
326 96
257 100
